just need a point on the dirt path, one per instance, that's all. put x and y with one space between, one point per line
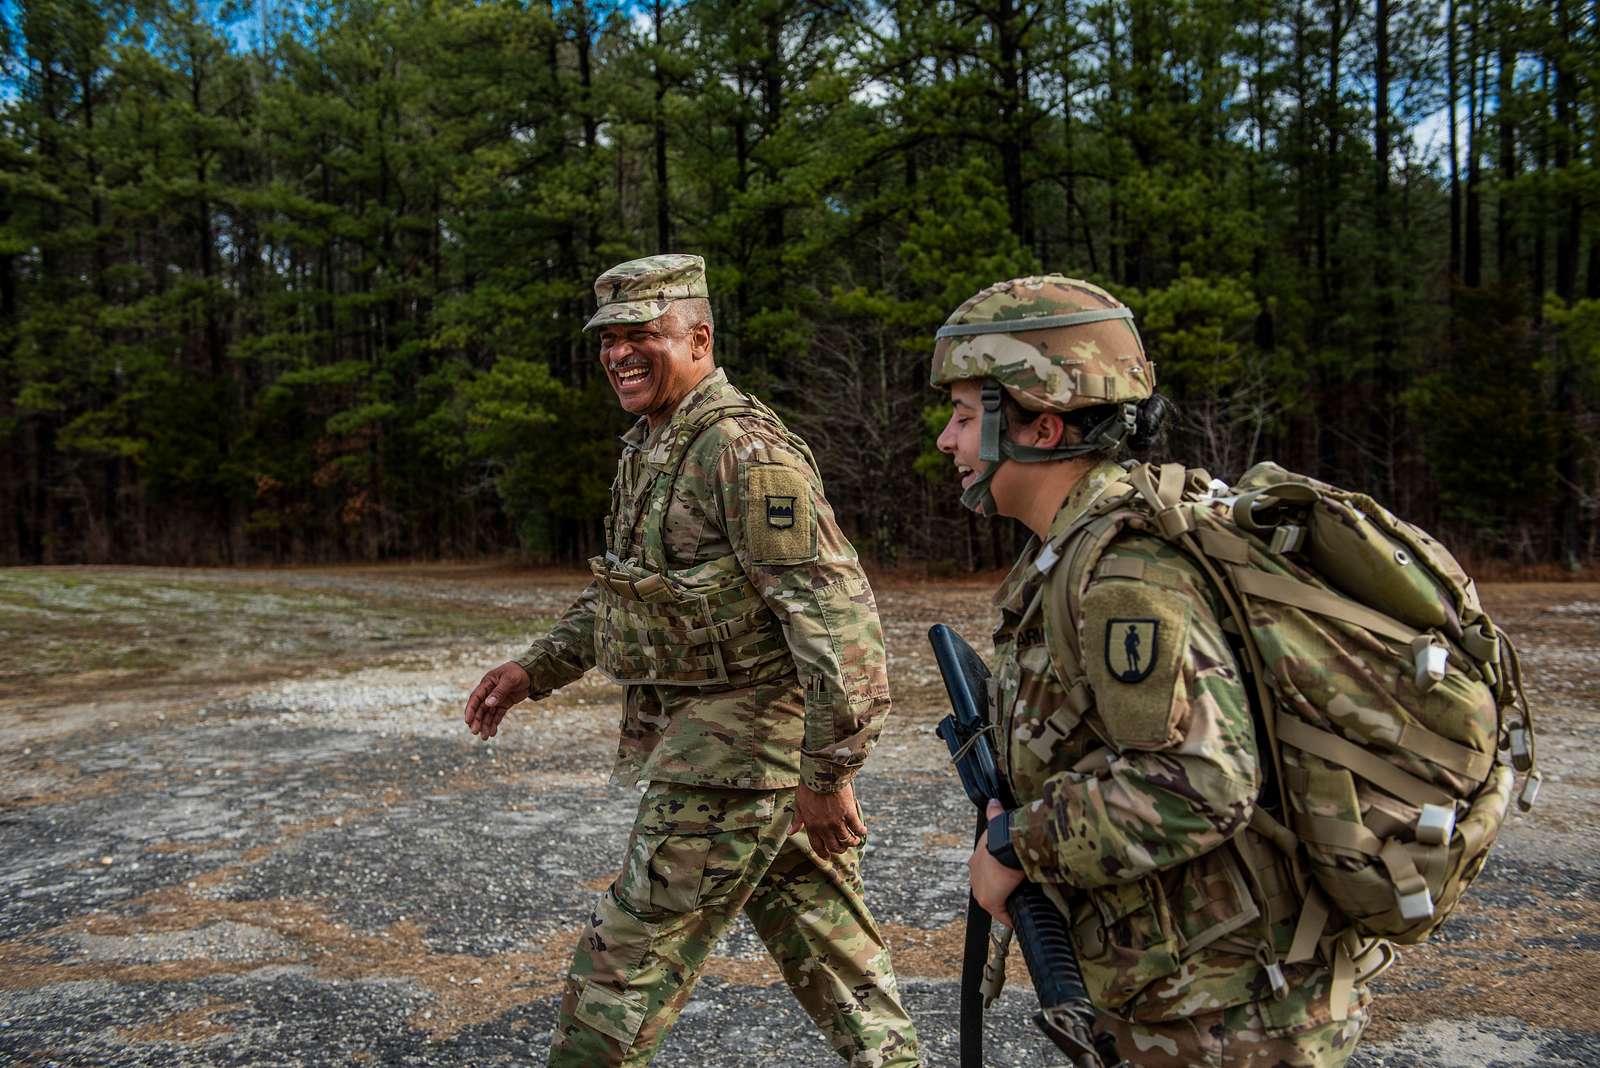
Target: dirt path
240 823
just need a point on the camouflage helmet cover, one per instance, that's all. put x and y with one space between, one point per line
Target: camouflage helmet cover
1054 343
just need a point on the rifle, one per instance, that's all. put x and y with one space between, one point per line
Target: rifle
1065 1014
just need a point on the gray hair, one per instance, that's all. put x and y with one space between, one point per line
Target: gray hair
690 312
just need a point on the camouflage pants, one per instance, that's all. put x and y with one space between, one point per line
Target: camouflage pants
1298 1032
696 859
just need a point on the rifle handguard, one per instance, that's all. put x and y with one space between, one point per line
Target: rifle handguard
1047 946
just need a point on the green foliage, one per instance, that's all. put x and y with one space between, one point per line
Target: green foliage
932 464
1487 427
323 298
1201 330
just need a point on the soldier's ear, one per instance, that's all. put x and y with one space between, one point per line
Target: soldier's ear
700 339
1050 431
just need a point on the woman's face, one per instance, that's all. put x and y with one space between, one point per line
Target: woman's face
960 437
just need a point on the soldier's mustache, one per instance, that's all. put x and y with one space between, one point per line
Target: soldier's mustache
625 364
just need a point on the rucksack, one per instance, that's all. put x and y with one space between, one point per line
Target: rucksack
1385 694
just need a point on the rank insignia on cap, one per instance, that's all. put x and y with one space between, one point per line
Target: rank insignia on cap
1131 646
780 512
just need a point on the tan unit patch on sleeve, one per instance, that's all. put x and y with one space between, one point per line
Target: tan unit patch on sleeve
1135 636
780 517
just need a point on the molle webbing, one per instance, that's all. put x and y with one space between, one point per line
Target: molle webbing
651 630
667 458
704 626
1382 690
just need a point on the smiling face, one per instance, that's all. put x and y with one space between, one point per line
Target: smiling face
1014 486
652 366
959 439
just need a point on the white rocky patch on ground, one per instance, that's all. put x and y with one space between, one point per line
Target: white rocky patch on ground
241 823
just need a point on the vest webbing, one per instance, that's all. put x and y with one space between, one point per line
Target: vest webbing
704 626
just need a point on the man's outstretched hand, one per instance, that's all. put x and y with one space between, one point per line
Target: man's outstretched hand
830 821
492 698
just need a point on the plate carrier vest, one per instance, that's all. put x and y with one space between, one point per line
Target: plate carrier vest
704 626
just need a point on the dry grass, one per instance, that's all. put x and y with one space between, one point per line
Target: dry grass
195 1025
1519 962
464 990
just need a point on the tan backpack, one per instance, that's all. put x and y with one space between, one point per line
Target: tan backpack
1385 692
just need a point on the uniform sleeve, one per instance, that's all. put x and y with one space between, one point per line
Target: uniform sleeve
789 544
564 654
1183 772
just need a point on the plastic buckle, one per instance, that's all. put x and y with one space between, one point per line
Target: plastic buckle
1174 522
1287 538
1521 749
1130 422
989 424
1417 906
1268 959
1436 824
1431 661
1481 643
989 396
1280 985
1530 791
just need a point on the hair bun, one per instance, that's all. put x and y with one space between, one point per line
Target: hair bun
1150 424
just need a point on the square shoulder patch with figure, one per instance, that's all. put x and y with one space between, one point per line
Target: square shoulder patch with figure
780 517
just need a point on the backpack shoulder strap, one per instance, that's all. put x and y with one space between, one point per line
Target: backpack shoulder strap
1069 559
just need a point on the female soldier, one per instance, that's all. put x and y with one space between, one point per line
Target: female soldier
1128 737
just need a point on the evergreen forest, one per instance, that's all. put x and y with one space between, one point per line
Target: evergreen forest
305 281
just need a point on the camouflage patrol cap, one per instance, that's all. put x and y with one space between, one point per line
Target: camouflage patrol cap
1054 343
641 290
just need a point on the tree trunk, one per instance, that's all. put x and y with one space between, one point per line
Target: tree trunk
1004 20
1382 274
1451 93
1472 254
1507 264
1569 234
663 213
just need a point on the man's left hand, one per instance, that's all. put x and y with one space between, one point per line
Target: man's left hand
992 881
831 821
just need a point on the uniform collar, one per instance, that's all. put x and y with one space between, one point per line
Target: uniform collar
1088 490
659 441
1013 592
663 443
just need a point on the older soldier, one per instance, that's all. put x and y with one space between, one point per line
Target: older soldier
1136 773
735 614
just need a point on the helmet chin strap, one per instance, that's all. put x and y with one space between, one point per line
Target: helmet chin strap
995 448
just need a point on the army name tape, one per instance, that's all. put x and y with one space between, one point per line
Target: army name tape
1044 322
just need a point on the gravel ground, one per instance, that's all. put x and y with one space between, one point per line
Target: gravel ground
241 824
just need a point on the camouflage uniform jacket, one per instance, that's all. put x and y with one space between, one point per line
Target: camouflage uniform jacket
1135 791
816 721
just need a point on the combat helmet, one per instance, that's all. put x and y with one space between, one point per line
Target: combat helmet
1055 344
